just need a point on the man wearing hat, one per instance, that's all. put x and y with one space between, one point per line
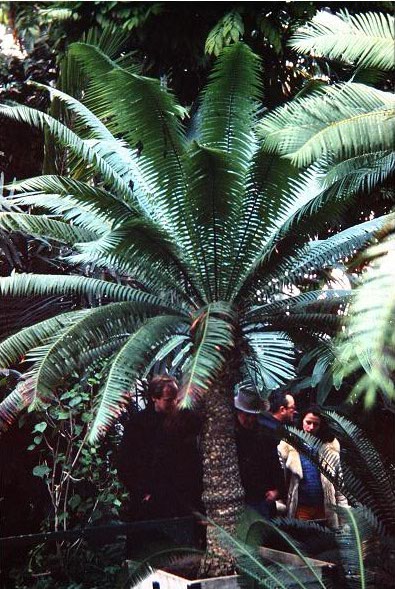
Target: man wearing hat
260 470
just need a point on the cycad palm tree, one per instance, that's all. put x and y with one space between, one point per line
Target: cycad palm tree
214 227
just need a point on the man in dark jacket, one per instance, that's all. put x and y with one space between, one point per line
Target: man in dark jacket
158 459
260 470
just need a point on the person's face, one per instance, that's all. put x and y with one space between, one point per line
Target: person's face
287 413
311 423
166 403
247 420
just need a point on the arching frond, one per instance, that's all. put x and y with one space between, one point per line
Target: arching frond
344 120
212 192
148 121
371 486
229 105
275 575
272 361
365 39
318 254
20 398
44 226
227 30
138 243
24 285
16 346
168 350
272 187
363 172
125 368
322 193
83 149
97 326
212 331
313 300
84 117
85 205
369 340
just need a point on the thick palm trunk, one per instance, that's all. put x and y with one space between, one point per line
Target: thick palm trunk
222 490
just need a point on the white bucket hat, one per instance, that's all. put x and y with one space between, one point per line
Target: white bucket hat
247 401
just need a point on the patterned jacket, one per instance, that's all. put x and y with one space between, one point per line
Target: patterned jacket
290 460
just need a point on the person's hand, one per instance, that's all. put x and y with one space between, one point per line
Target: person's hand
271 495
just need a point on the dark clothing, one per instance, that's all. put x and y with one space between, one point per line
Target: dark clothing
159 457
271 425
272 431
259 464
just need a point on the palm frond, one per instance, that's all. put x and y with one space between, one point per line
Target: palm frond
114 151
137 244
365 39
229 105
126 367
270 575
329 193
272 361
95 327
362 173
84 118
371 486
167 351
15 347
212 331
369 341
88 206
308 301
25 285
20 398
271 189
320 360
87 150
358 543
149 121
212 193
345 120
227 30
304 205
324 458
44 226
315 256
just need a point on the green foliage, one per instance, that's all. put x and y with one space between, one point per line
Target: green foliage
60 442
353 129
229 28
83 490
271 33
365 40
128 15
353 120
204 223
367 346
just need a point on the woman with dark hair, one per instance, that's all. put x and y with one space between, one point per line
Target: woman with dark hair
310 493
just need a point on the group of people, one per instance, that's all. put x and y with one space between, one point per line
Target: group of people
292 484
160 464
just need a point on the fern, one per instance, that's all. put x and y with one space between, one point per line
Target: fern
362 39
